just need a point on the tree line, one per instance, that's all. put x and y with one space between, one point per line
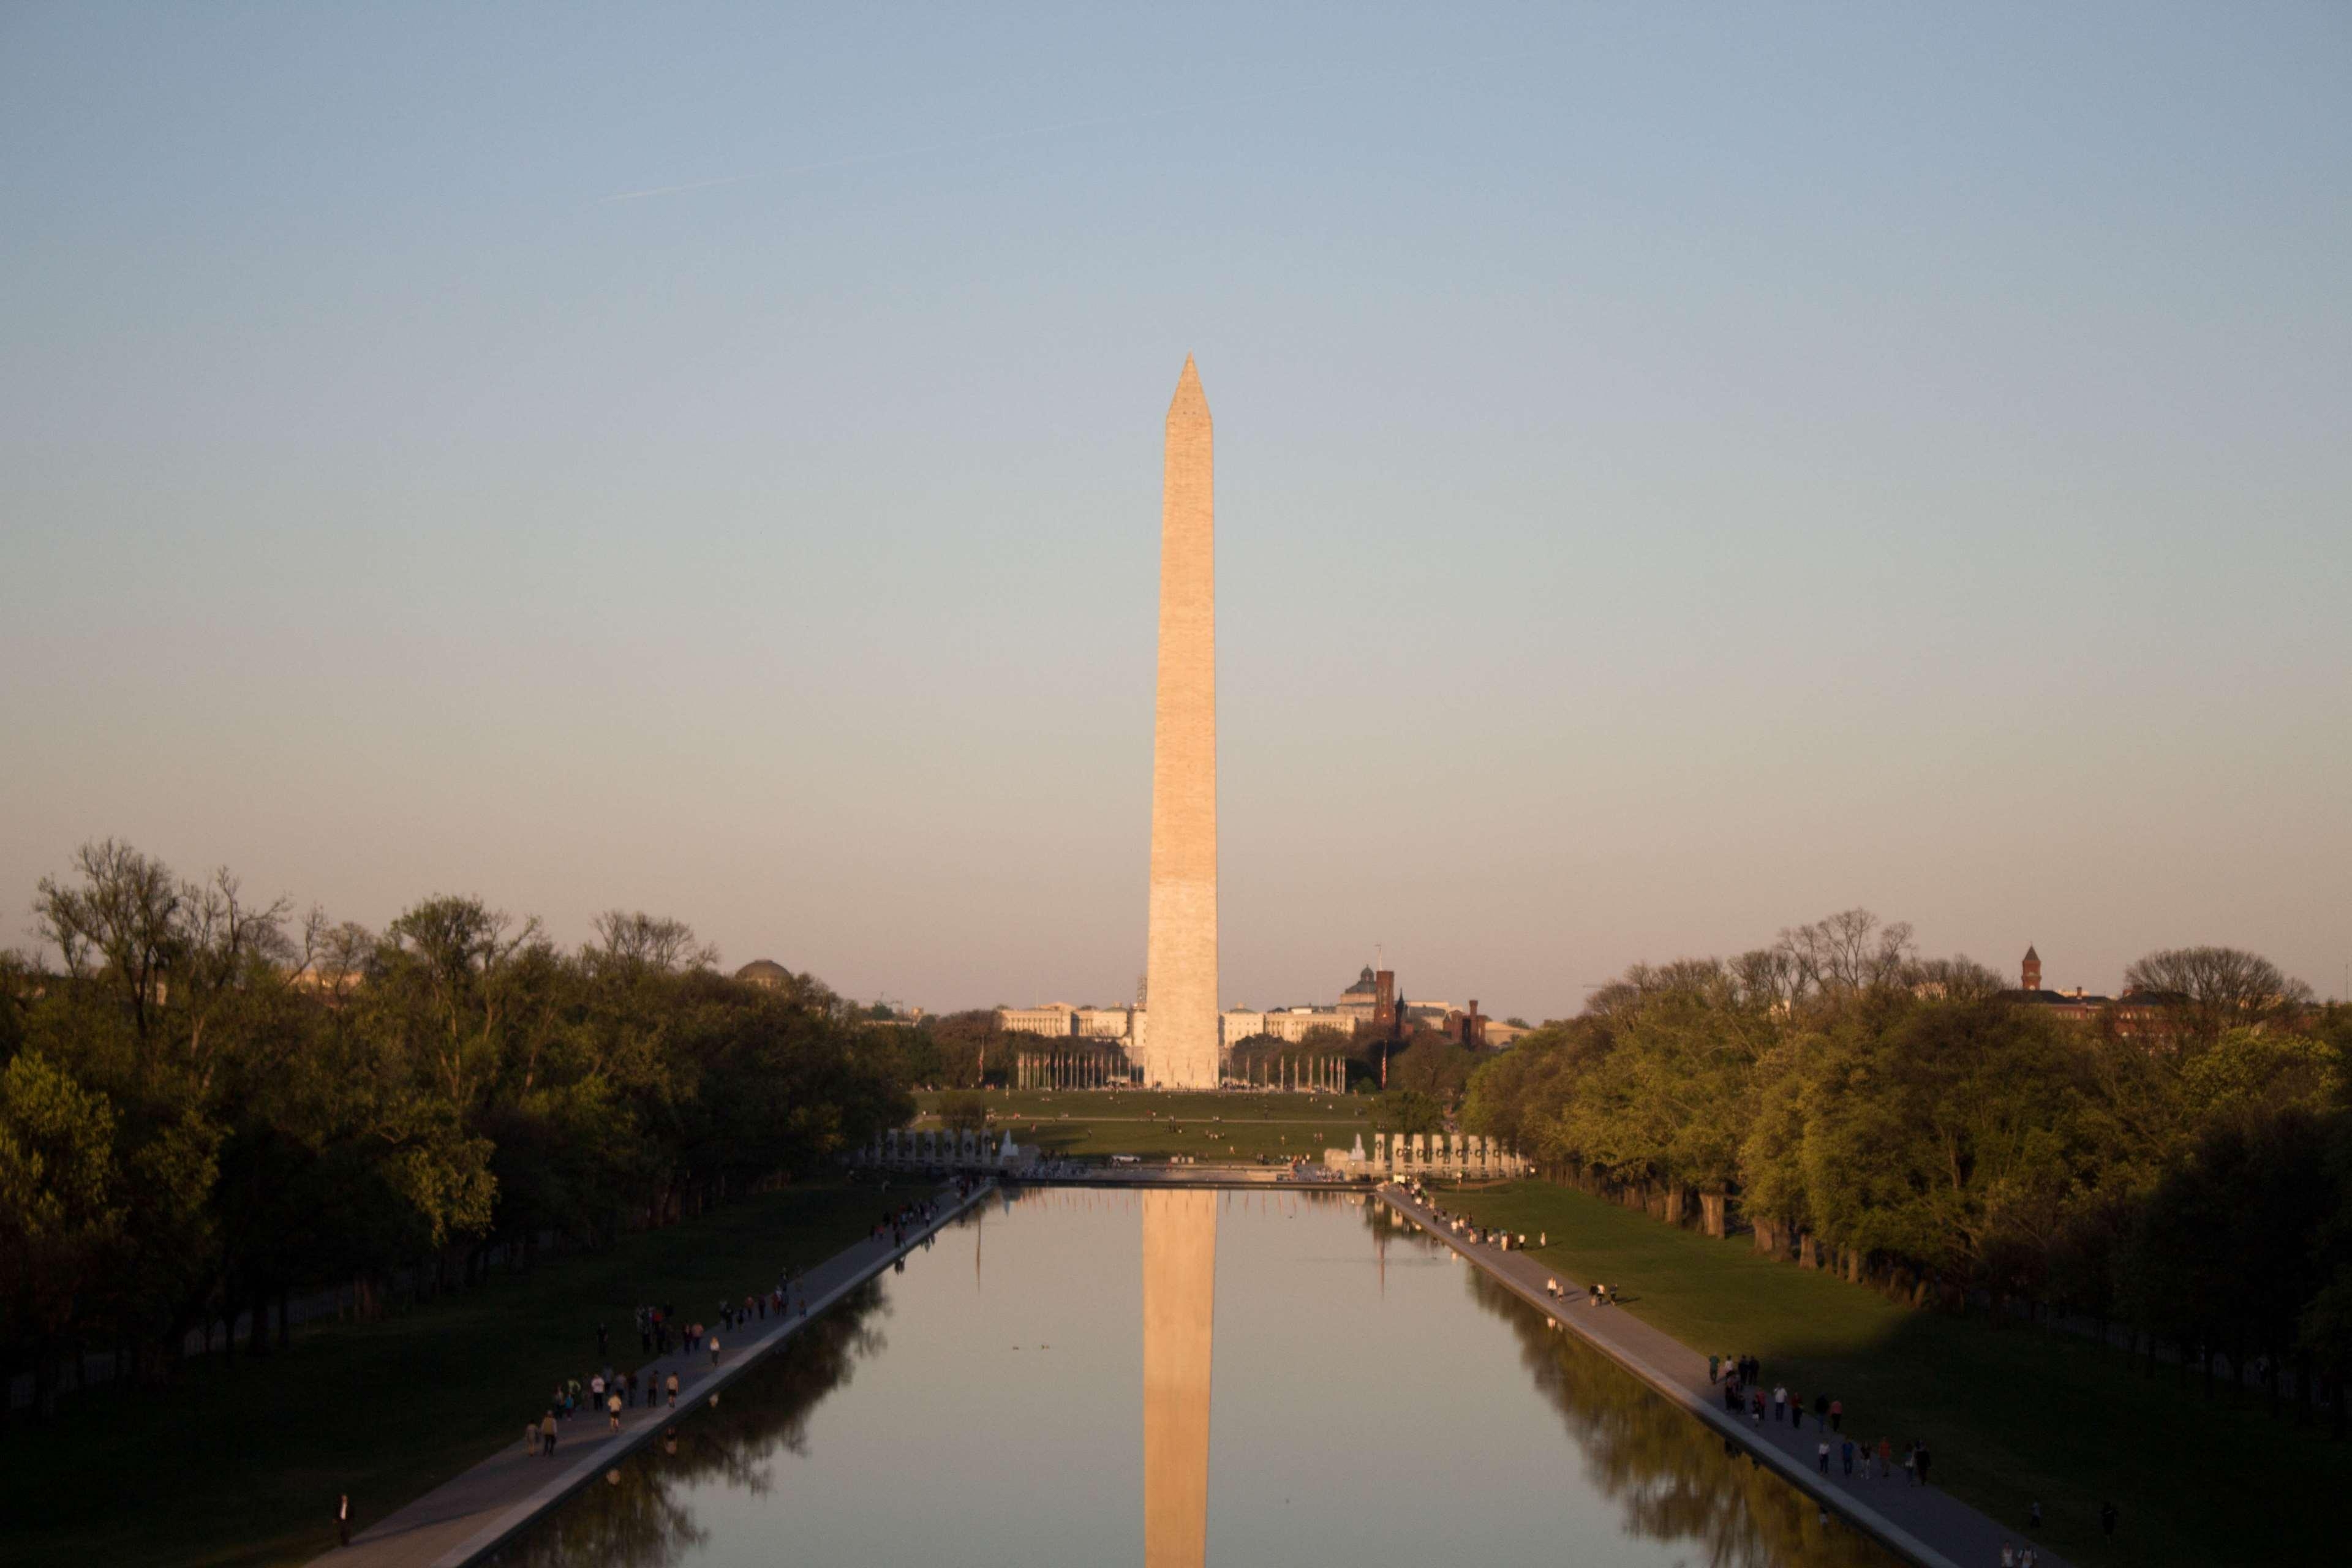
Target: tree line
207 1105
2179 1166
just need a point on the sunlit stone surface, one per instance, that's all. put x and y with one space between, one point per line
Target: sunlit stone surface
1179 1046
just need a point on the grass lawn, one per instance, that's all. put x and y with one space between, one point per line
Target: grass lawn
2011 1413
238 1464
1154 1124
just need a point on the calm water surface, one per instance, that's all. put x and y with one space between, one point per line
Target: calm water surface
1076 1377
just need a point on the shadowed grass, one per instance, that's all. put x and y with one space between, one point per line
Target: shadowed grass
2011 1413
241 1464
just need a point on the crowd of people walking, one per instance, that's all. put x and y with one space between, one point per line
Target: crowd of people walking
1741 1378
607 1392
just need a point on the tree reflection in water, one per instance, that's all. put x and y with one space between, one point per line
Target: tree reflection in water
1666 1471
638 1520
1669 1471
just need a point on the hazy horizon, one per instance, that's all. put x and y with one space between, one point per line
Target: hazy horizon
1678 475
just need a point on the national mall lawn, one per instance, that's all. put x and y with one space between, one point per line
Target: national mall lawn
1225 1125
2010 1413
241 1463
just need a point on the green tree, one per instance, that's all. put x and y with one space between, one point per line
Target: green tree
2202 991
1407 1111
61 1203
963 1112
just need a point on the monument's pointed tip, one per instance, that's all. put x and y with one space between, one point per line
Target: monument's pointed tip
1189 398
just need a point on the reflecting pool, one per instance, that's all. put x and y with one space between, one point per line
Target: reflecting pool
1074 1376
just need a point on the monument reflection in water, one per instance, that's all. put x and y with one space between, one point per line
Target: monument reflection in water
1179 1293
1375 1401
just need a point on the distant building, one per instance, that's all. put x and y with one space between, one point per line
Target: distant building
1103 1023
1054 1020
2077 1005
1376 1007
1372 1006
1290 1024
765 972
1361 1000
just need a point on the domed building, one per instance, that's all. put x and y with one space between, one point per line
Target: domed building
765 972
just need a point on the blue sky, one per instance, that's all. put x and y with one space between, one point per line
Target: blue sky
1680 471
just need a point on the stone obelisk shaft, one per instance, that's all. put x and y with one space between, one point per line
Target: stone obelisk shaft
1180 1042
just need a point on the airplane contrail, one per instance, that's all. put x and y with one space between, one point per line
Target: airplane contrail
857 158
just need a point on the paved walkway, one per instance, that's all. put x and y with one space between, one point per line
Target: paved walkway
457 1523
1926 1524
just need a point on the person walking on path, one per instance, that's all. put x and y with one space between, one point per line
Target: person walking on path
1886 1457
1714 1368
673 1391
1779 1402
1837 1415
547 1435
1845 1455
714 1349
1921 1456
1821 1459
343 1519
1820 1409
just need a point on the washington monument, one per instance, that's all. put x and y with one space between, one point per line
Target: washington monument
1180 1034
